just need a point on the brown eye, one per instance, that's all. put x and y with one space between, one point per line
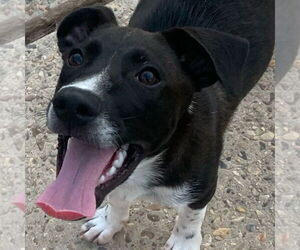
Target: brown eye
148 76
75 58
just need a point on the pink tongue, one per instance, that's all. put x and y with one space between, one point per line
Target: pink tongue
72 195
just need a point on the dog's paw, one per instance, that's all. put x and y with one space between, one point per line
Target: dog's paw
102 227
179 241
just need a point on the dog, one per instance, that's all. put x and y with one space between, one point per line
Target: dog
141 110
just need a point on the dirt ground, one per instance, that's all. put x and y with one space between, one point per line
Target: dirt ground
240 216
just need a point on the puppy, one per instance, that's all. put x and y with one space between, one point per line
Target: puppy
141 110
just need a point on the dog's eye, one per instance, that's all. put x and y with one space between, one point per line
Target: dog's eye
148 76
75 58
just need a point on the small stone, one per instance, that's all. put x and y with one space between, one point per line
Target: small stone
59 228
251 133
251 227
243 155
291 136
147 233
238 219
259 214
268 136
31 46
153 217
155 207
218 238
223 165
264 198
29 97
262 146
262 237
207 240
221 232
241 209
255 192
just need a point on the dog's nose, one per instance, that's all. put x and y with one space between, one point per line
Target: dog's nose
76 106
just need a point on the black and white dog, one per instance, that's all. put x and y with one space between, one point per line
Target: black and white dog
141 110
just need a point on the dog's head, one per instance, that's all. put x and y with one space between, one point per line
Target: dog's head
122 87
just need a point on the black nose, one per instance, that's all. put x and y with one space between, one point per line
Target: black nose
76 106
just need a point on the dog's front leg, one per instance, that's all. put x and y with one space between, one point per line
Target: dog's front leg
186 234
108 220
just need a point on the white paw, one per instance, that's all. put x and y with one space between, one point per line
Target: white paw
179 241
102 227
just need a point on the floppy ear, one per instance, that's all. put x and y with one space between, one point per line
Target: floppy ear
77 26
208 56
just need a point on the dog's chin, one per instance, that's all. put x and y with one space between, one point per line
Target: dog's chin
108 182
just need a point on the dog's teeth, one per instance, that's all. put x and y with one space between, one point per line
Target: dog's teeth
111 171
120 158
124 153
117 163
102 179
125 147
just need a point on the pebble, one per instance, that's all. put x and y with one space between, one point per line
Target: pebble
268 136
207 240
262 237
259 214
223 165
147 233
222 232
262 146
41 74
243 155
251 227
251 133
255 192
291 136
59 228
155 207
238 219
153 217
241 209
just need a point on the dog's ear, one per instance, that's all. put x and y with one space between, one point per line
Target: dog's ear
209 55
77 26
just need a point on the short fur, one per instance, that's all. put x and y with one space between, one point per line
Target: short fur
209 54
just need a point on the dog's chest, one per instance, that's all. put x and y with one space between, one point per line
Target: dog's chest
142 179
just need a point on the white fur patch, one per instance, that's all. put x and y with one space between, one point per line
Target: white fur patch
137 185
187 230
105 133
93 83
106 222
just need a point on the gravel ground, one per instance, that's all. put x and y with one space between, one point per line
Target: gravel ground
240 216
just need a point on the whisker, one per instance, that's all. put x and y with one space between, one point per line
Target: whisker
129 117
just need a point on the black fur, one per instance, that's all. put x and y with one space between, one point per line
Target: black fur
209 52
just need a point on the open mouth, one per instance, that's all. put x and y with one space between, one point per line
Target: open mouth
85 176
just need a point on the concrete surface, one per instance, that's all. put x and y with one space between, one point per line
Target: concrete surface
240 216
12 126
